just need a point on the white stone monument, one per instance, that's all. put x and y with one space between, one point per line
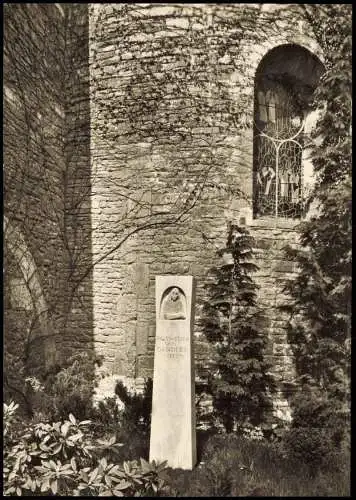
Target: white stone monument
173 401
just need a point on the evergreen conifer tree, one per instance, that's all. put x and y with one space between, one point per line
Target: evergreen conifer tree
240 383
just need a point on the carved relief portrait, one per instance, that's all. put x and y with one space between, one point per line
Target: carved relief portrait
173 304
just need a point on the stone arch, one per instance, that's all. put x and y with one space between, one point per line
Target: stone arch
266 47
253 53
284 82
291 32
173 303
17 246
298 52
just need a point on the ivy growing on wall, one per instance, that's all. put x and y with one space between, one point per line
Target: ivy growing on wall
321 310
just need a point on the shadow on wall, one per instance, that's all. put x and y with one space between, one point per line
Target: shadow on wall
48 277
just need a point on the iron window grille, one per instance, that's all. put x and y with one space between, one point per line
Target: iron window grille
278 146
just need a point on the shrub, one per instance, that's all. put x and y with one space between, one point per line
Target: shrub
69 388
18 364
320 326
232 465
133 428
132 479
129 421
9 416
62 458
318 431
34 461
106 416
220 468
138 407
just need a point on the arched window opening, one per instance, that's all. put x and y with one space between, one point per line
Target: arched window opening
285 81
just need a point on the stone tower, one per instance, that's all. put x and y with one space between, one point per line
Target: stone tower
156 155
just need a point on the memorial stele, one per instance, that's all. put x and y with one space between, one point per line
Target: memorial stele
173 422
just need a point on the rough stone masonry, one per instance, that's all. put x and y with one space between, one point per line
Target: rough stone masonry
153 160
148 66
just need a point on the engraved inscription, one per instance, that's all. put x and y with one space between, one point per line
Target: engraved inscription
174 347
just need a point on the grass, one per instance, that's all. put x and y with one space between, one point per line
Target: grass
235 466
230 465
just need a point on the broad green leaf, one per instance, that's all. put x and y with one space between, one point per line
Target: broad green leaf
76 437
45 486
72 419
57 449
118 493
65 428
108 480
84 475
47 438
54 486
85 422
93 475
126 468
146 467
162 466
123 485
106 493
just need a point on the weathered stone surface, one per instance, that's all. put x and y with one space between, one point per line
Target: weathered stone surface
182 22
41 153
136 129
142 338
173 401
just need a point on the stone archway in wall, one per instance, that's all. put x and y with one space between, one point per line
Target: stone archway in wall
25 307
298 36
271 228
285 80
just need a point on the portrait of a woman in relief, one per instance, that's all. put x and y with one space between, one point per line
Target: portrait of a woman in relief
174 305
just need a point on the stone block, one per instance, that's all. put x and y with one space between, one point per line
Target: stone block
119 365
144 366
141 338
161 11
142 279
263 243
279 349
178 22
173 401
284 266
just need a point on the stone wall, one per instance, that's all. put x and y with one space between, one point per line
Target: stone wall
33 136
47 172
172 162
128 150
77 185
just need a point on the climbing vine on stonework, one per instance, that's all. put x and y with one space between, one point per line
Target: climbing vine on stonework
321 311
